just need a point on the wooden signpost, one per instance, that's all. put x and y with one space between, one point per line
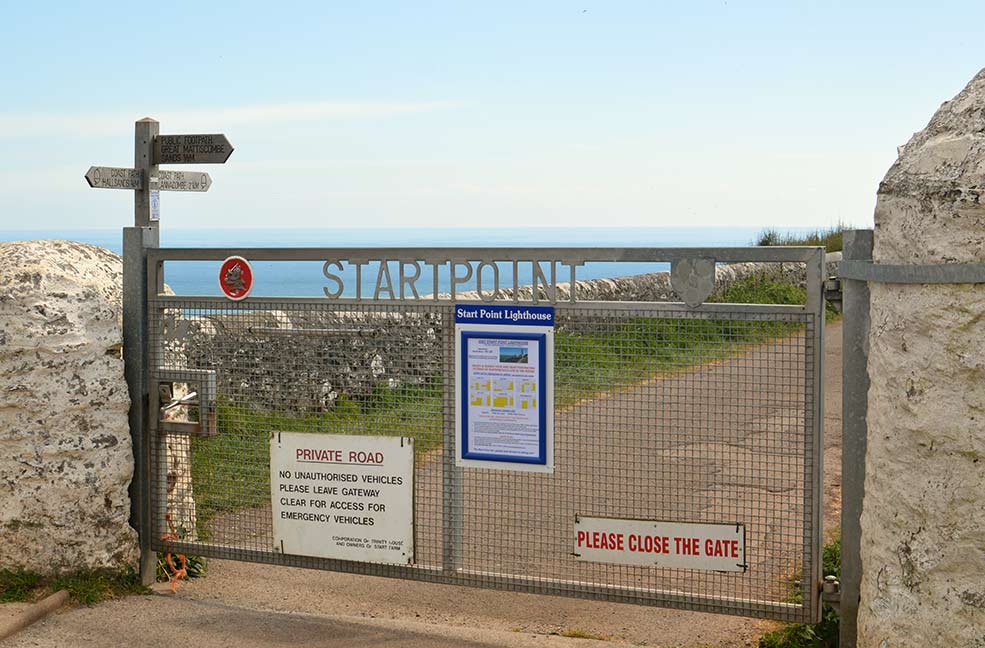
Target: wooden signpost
147 181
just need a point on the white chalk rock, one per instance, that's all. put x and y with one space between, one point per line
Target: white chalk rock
65 454
923 522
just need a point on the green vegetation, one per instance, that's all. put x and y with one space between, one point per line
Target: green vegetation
591 362
86 586
820 635
829 239
195 566
17 585
231 470
762 290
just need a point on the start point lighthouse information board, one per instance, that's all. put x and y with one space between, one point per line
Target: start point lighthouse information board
504 397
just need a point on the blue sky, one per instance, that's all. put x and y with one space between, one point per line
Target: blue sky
478 114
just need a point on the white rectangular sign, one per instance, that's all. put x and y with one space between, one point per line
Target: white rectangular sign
712 547
343 496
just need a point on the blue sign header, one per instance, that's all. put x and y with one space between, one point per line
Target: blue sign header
504 315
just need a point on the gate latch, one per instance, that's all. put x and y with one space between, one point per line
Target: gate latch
186 401
831 592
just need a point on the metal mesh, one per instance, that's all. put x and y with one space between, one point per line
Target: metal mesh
681 416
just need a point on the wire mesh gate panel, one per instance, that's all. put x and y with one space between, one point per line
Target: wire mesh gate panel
705 414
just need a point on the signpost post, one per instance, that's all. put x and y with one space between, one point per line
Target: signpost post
146 180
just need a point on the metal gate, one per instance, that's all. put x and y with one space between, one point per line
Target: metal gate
699 413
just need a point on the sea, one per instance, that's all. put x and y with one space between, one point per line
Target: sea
307 278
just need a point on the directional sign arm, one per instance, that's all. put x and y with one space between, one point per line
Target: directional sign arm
185 181
113 178
192 149
121 178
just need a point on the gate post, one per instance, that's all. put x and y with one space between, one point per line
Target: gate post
136 241
452 510
854 409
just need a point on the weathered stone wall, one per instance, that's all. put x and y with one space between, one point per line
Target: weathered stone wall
65 453
923 520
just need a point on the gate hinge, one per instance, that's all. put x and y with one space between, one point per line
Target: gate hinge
833 293
831 592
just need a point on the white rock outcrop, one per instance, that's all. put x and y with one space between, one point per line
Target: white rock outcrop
65 453
923 521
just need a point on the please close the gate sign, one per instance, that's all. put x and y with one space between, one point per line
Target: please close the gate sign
711 547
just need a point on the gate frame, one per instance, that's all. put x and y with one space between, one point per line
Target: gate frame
144 258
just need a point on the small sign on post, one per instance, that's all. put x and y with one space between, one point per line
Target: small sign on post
155 200
236 278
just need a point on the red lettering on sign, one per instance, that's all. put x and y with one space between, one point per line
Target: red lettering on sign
649 544
596 540
722 548
365 457
687 546
309 454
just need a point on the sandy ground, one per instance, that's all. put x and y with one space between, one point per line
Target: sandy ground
9 611
244 604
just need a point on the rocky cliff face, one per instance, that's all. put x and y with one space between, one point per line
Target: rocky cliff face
65 453
923 522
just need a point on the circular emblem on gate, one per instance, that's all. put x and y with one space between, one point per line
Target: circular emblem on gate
236 278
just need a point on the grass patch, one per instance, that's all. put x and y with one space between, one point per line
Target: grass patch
195 566
231 470
87 587
17 585
588 362
819 635
760 289
591 362
829 238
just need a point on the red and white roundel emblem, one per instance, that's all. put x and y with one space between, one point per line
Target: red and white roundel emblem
236 278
